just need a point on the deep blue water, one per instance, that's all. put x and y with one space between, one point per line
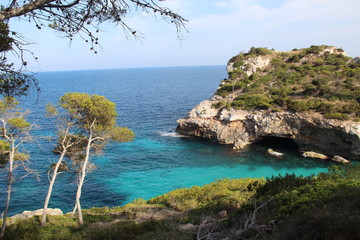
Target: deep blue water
149 101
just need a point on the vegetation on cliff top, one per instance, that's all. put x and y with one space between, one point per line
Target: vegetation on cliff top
283 207
320 78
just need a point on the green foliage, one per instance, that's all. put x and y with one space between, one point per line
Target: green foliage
236 74
292 195
226 193
51 110
339 116
90 113
259 51
4 151
5 40
239 62
252 102
219 104
121 134
317 207
88 110
21 156
314 49
338 218
8 104
18 122
312 79
14 126
302 105
278 184
280 95
139 231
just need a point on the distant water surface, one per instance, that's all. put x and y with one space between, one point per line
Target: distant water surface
149 101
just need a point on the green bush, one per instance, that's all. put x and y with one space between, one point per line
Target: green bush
332 79
339 116
219 104
238 190
259 51
301 105
238 63
255 101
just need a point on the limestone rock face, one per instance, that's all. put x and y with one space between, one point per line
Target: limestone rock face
252 64
311 131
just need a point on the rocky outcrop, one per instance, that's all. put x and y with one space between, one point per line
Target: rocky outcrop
311 131
225 117
29 214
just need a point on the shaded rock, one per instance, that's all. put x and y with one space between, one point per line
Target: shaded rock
274 153
315 155
309 131
189 227
252 64
356 60
222 214
239 144
339 159
28 214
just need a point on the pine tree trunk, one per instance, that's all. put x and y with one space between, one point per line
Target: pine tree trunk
10 182
81 181
47 199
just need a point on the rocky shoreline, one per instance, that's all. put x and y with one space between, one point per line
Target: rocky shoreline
217 120
311 131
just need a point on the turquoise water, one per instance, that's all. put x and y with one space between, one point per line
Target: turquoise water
149 101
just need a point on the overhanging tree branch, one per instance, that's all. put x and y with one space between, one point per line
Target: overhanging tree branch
16 12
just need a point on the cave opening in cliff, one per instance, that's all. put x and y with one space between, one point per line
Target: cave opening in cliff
278 143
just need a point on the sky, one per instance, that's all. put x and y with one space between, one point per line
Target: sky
216 30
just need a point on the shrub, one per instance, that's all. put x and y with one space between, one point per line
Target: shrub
238 190
219 104
339 116
259 51
255 101
237 73
238 63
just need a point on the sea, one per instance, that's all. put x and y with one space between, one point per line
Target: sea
148 101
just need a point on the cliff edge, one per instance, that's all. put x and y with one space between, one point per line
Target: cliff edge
310 95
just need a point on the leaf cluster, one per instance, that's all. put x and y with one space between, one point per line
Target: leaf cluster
89 111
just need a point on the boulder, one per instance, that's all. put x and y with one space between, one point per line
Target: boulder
315 155
274 153
222 214
188 228
29 214
339 159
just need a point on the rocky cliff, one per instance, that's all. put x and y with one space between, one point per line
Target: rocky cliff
316 121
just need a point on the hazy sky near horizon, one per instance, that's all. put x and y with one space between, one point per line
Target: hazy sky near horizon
217 30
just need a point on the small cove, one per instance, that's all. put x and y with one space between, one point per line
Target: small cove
149 101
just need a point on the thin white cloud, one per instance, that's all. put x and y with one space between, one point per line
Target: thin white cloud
251 12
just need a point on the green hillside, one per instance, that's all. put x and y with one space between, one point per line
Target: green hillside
284 207
320 78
